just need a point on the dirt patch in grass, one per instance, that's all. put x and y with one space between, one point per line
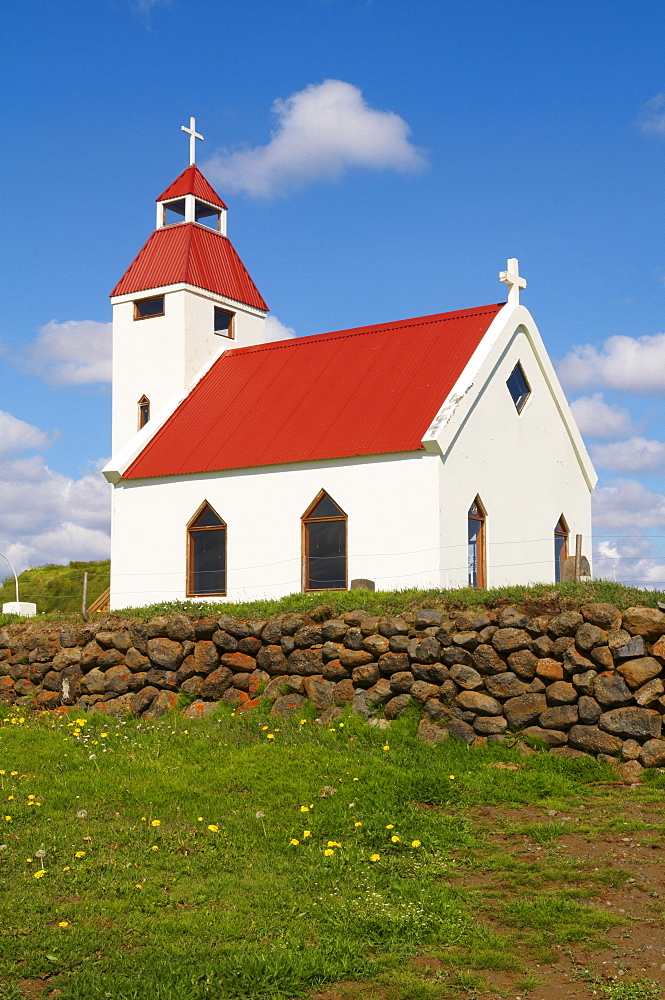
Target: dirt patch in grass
589 856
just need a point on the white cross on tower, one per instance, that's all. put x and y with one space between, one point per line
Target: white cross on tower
511 277
193 136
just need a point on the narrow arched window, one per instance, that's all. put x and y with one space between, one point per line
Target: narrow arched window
324 544
206 539
144 411
476 544
560 548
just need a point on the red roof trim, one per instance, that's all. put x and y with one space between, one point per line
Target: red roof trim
365 391
192 181
195 255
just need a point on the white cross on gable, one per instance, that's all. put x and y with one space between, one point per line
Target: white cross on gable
511 277
193 136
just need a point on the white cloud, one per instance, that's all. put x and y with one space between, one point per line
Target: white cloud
597 419
627 504
651 119
46 516
629 560
73 353
627 364
274 330
17 435
637 454
321 132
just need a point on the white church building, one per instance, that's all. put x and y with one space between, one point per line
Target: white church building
432 452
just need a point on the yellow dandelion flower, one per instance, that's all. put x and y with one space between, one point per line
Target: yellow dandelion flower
3 772
415 843
13 773
213 828
294 841
37 803
154 847
307 833
199 819
395 840
79 854
355 779
103 734
138 885
39 873
303 721
77 732
328 853
8 818
357 824
66 868
64 923
143 818
390 826
31 796
29 860
270 736
333 843
263 728
341 725
156 822
386 747
452 777
304 809
9 798
21 719
375 857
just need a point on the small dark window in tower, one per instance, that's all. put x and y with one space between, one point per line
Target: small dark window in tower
206 535
206 215
224 323
174 211
518 387
147 308
560 548
324 543
144 411
476 545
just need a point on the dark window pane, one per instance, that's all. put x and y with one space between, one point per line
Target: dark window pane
208 570
326 507
560 545
174 212
518 387
206 216
150 307
326 568
223 320
207 518
144 414
474 529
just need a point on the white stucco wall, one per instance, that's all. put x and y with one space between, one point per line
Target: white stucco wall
159 357
392 505
524 467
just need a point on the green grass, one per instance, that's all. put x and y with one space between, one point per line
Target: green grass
170 864
57 592
56 589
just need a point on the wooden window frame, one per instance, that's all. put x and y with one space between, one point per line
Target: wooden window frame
215 210
565 534
151 298
481 547
190 592
166 205
527 397
304 521
143 401
231 335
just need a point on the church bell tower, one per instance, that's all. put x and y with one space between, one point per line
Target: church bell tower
184 300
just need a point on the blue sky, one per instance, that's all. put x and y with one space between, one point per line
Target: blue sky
472 132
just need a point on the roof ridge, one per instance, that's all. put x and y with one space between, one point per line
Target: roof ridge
313 338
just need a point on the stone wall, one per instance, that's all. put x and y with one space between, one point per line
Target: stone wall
590 680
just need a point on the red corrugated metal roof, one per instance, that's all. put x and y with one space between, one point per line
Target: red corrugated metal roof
192 181
368 391
194 254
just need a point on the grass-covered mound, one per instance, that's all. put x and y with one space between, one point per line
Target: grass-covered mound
57 589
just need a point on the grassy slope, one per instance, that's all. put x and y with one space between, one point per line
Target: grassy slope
170 867
58 588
